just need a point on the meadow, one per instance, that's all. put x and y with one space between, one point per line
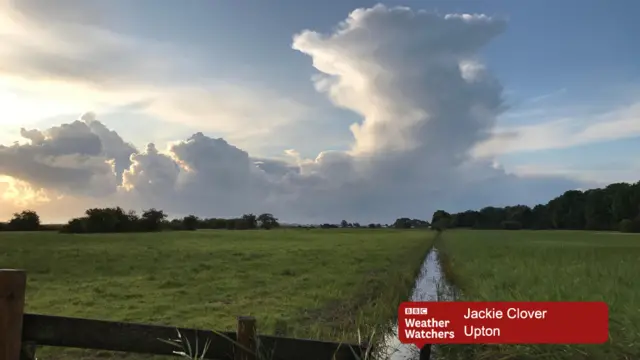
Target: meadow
320 284
549 266
323 284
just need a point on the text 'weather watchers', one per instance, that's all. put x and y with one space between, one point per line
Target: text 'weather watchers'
423 323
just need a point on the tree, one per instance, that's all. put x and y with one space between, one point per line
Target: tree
267 221
190 222
151 219
101 220
213 223
26 220
441 224
596 209
402 223
630 226
344 224
356 225
75 226
438 214
230 224
518 214
250 220
467 219
511 225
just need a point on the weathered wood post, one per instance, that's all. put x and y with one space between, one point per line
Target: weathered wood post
246 338
425 352
13 284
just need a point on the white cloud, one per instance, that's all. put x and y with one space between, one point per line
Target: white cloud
239 113
68 158
416 79
563 133
60 61
598 177
405 97
547 96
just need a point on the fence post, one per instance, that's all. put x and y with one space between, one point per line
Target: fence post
425 352
13 284
246 337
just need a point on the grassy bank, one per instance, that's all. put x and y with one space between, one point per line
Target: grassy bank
549 266
323 284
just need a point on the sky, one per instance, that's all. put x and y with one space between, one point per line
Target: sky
314 111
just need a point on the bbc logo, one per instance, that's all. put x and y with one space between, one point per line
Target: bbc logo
415 311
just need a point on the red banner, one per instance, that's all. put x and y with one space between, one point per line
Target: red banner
456 322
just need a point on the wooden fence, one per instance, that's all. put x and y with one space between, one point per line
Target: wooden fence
20 333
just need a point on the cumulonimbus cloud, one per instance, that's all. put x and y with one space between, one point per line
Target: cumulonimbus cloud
425 99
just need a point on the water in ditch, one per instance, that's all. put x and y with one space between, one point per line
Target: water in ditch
430 286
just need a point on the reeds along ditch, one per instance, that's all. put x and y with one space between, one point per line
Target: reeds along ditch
447 265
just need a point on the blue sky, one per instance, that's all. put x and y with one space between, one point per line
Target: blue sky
159 71
581 55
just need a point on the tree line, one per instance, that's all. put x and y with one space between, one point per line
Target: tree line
117 220
400 223
615 207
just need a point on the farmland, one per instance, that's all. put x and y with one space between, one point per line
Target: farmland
323 284
550 266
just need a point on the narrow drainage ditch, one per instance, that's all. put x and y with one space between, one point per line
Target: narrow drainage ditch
430 285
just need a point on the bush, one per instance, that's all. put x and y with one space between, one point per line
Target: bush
106 220
629 226
115 220
190 222
441 224
511 225
175 224
151 220
24 221
268 221
51 227
76 226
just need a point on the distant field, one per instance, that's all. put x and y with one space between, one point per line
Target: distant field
321 284
550 266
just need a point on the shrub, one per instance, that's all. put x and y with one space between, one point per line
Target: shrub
268 221
511 225
441 224
51 227
629 226
24 221
190 222
76 226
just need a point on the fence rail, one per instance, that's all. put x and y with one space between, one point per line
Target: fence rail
20 332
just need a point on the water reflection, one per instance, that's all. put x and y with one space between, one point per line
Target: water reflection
430 286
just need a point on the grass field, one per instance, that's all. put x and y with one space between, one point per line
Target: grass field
550 266
323 284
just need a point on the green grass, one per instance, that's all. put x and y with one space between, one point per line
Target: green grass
549 266
321 284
